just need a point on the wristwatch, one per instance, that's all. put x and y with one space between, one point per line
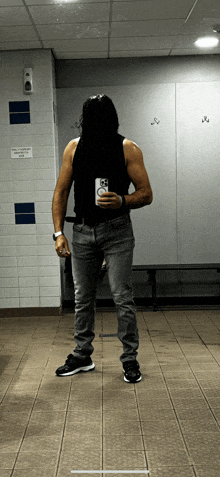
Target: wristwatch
57 234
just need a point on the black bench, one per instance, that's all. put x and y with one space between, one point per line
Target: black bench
152 269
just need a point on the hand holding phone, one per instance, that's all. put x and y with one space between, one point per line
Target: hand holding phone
101 186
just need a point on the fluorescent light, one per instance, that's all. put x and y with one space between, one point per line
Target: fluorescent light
207 42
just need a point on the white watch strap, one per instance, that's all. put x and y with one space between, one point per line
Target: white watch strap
58 233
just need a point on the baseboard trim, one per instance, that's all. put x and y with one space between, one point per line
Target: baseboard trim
37 311
68 306
164 303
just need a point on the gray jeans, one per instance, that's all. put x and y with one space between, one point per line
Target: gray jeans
114 242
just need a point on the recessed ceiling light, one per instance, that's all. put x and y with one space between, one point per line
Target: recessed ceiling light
207 42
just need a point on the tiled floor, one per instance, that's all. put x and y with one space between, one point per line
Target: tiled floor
169 423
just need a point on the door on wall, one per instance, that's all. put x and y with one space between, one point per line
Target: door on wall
198 172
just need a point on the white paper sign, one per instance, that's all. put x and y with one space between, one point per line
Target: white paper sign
21 152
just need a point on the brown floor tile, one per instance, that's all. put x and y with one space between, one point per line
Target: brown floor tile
5 473
80 460
177 384
46 424
45 405
213 470
10 443
74 442
191 412
80 404
120 415
32 460
7 460
121 427
206 456
199 423
42 445
122 443
84 415
164 442
203 440
65 471
180 471
164 457
84 428
156 413
162 427
146 401
124 460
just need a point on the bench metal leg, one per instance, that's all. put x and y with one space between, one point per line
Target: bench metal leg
153 283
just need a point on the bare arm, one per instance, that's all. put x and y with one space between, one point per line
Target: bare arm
143 194
136 170
61 195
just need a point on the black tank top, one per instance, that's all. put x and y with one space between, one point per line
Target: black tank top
93 162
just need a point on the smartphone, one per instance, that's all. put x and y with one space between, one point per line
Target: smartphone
101 186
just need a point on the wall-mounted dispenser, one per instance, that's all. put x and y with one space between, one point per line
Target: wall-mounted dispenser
28 81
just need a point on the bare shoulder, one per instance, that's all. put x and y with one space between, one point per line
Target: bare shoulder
70 150
132 151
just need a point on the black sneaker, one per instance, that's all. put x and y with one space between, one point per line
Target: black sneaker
132 372
73 365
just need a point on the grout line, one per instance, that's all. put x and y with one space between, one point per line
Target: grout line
191 11
110 26
64 426
33 23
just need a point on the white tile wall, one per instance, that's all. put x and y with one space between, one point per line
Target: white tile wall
29 266
49 301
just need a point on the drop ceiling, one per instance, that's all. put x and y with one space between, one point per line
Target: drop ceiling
77 29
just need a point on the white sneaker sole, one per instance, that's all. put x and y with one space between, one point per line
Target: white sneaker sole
77 370
127 380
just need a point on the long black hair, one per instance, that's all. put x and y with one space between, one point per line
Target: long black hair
99 120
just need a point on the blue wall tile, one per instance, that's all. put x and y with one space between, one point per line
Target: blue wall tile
24 208
20 118
25 219
19 106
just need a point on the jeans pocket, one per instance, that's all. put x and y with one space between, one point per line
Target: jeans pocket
121 224
77 227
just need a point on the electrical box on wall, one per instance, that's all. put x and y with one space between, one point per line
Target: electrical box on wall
28 81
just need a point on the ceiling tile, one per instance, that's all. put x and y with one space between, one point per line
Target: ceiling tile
14 16
17 33
61 2
78 45
136 53
70 13
78 30
186 41
143 43
78 55
193 51
203 26
20 45
11 3
146 28
206 9
151 10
